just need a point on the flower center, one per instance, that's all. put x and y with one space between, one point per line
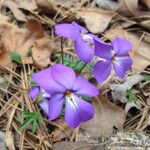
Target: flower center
68 93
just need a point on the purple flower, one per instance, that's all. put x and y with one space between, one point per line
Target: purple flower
83 40
35 92
112 55
64 87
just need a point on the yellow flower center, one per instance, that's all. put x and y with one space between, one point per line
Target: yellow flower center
68 93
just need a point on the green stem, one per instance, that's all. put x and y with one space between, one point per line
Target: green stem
81 69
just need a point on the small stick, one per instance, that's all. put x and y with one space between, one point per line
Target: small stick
81 69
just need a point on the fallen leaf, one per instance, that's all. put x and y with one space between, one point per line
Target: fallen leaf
96 20
46 6
14 8
131 8
62 132
107 115
72 146
20 40
119 90
9 140
27 4
2 144
145 24
42 50
140 49
132 104
107 4
146 3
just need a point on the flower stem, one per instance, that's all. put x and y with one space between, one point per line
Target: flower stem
79 72
62 52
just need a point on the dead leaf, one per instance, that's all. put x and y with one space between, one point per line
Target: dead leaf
145 24
22 39
27 4
107 4
132 104
9 140
2 144
119 90
96 20
46 6
140 52
62 132
146 3
72 146
14 8
107 115
131 8
42 50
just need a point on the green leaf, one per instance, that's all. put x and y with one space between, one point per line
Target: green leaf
73 63
131 96
32 118
29 52
147 78
15 57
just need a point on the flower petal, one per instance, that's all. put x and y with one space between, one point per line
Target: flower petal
77 111
45 81
121 65
102 70
103 49
121 46
63 75
85 88
55 106
67 30
83 50
44 105
34 92
80 28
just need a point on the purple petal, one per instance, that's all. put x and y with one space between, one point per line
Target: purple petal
103 49
83 50
34 92
121 46
55 106
63 75
80 28
102 70
121 65
44 105
85 88
45 81
67 30
77 111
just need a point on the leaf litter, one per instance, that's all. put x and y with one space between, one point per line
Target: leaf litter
28 44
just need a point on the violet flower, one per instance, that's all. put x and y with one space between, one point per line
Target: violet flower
35 92
112 55
83 39
64 87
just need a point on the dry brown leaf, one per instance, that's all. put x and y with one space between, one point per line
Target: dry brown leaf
27 4
46 6
9 140
20 40
96 20
63 132
14 8
72 146
42 50
107 115
140 52
131 8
